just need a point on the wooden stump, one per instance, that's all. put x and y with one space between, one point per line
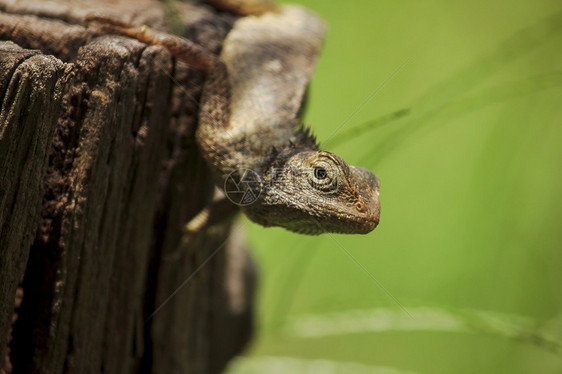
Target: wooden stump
99 172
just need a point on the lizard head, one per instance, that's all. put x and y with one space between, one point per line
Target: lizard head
312 192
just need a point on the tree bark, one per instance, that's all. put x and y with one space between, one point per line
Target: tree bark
99 171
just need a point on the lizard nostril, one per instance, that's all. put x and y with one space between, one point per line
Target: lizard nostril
360 207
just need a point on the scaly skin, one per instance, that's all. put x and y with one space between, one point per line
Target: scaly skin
250 119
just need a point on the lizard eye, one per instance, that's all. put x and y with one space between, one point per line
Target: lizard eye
323 176
320 173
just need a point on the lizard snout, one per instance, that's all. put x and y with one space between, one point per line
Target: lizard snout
367 187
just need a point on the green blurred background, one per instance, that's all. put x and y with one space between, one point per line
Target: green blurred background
470 242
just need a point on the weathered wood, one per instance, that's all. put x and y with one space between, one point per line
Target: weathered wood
99 172
31 90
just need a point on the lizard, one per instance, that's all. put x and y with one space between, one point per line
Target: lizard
250 124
